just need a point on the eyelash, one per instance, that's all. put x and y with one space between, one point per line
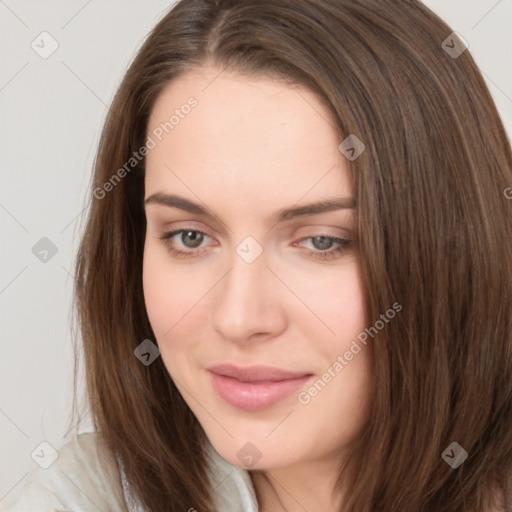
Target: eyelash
344 245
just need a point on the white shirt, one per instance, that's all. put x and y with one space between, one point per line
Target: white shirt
85 478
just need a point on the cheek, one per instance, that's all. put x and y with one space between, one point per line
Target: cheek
172 295
155 282
337 301
349 314
165 291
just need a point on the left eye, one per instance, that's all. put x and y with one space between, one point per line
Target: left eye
342 245
192 239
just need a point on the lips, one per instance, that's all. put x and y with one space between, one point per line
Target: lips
256 373
255 388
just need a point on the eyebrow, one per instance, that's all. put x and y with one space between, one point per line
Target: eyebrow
327 205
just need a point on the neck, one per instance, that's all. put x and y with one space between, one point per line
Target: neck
296 489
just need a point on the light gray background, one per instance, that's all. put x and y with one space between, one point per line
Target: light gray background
52 113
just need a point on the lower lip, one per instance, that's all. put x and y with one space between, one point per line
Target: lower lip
255 397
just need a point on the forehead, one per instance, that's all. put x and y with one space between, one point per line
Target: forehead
244 135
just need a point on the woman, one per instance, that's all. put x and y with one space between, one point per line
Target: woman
294 286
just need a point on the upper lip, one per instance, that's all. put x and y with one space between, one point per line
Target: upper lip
255 373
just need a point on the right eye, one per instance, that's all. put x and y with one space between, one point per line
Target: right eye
193 235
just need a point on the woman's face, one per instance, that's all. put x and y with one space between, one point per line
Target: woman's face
251 285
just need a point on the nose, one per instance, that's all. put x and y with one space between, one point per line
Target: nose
248 302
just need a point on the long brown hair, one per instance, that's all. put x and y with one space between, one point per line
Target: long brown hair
435 234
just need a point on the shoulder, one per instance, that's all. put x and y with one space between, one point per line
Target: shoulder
84 477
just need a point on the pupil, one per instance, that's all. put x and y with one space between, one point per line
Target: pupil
324 242
195 236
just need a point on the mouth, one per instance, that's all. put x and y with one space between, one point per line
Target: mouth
257 387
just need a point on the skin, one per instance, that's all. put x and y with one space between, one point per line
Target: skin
249 148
